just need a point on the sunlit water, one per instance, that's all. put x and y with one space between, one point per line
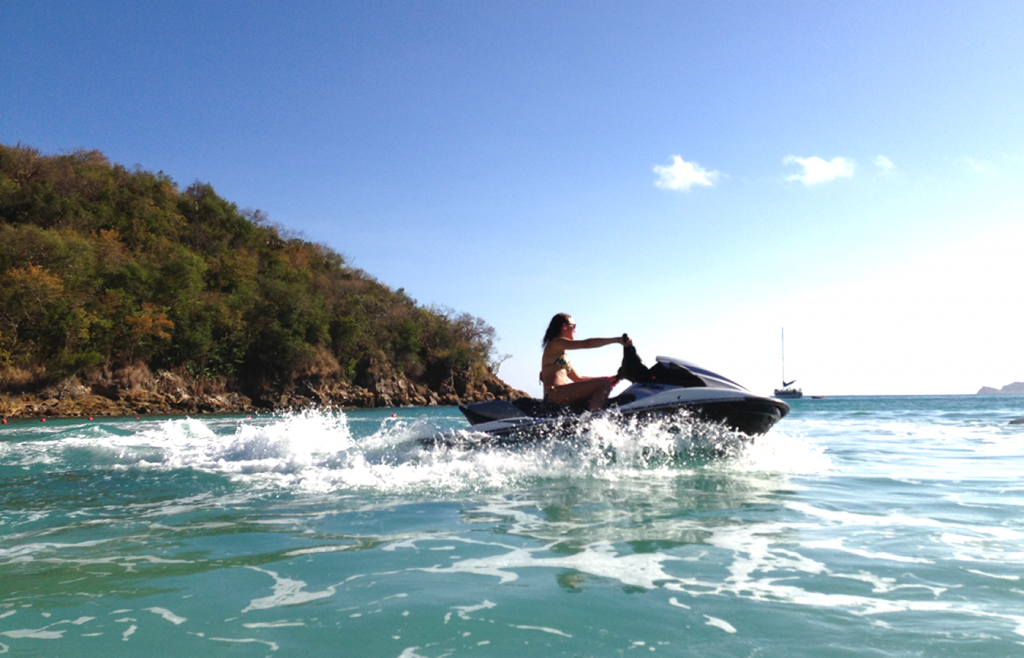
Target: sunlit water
889 526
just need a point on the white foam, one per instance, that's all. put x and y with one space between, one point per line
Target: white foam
720 623
168 615
464 610
286 592
246 640
992 575
600 559
543 629
34 634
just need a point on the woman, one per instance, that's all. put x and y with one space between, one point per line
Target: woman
561 382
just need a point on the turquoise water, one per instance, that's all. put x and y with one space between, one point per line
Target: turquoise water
859 526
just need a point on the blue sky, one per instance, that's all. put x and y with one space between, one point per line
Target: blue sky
698 174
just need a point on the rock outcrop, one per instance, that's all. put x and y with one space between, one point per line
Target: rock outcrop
1016 388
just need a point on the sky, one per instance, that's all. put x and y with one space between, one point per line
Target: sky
699 174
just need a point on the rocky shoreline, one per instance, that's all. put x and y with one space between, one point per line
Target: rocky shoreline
168 393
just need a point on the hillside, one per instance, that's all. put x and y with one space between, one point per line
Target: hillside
121 293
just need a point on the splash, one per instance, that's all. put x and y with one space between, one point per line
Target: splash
331 451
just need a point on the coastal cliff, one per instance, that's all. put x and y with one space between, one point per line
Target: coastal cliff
122 294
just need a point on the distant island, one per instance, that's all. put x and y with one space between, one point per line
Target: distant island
121 293
1014 388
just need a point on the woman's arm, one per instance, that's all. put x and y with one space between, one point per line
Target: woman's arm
587 343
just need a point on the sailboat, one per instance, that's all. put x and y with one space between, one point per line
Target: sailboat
787 391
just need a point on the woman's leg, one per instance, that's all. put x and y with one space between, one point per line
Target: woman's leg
596 389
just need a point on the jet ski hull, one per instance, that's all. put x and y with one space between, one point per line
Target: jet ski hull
503 423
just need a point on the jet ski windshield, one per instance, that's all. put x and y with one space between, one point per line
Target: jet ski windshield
671 371
709 378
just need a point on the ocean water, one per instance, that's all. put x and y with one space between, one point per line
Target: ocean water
859 526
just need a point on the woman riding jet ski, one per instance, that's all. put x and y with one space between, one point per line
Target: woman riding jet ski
670 386
562 384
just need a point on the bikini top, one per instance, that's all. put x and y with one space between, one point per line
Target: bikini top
561 362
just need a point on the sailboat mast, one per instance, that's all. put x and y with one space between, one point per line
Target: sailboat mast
786 391
783 356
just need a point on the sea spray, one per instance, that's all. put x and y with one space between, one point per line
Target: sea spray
317 450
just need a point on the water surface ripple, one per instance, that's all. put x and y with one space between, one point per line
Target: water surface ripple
859 526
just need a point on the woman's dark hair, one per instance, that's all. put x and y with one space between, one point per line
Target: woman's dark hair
555 327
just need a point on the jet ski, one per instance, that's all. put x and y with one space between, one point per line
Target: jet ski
668 387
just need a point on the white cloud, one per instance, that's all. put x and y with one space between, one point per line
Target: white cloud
885 165
978 165
817 170
682 175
